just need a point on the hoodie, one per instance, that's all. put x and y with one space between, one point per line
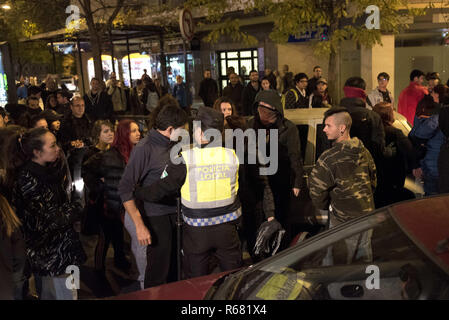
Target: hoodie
344 178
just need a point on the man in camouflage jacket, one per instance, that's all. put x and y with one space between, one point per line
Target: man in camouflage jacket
344 176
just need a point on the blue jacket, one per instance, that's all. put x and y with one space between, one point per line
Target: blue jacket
182 94
427 128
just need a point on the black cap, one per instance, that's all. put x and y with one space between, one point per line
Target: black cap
210 118
51 115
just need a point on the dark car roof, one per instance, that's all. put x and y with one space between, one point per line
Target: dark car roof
426 222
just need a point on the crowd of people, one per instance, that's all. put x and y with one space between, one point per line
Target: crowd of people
132 183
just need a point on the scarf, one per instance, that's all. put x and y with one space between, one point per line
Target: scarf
353 92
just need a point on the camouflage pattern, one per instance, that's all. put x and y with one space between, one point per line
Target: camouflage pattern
345 178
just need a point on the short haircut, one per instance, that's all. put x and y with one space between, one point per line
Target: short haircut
35 119
416 73
253 71
356 82
2 112
32 99
432 76
170 116
385 111
316 67
206 70
94 78
341 115
383 75
300 76
33 90
72 101
64 93
139 82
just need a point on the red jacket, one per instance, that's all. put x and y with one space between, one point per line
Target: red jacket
408 100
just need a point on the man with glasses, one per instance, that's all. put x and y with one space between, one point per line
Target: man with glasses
297 97
74 136
381 93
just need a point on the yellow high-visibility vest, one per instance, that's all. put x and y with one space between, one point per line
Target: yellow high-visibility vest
212 178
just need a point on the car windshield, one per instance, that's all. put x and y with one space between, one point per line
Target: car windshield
368 258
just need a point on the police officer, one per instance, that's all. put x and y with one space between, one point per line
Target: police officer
207 175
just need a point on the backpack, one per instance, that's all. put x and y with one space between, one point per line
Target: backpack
284 95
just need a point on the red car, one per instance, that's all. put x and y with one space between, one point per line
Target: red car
396 252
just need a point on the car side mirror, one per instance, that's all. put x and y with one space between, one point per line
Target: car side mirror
352 291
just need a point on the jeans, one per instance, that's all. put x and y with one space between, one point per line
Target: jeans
54 288
357 246
430 185
139 252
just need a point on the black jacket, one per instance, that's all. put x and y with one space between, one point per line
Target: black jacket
235 94
12 261
98 106
248 96
317 100
296 101
170 186
396 168
290 168
311 85
367 126
208 92
47 216
108 165
72 129
147 162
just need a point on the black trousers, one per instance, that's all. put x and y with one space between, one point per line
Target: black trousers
200 243
161 254
111 231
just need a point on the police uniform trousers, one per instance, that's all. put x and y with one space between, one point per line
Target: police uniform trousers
200 243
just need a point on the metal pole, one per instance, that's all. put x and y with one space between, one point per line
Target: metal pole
54 57
178 237
129 61
163 61
112 51
81 65
186 66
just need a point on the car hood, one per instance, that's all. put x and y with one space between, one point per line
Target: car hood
191 289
